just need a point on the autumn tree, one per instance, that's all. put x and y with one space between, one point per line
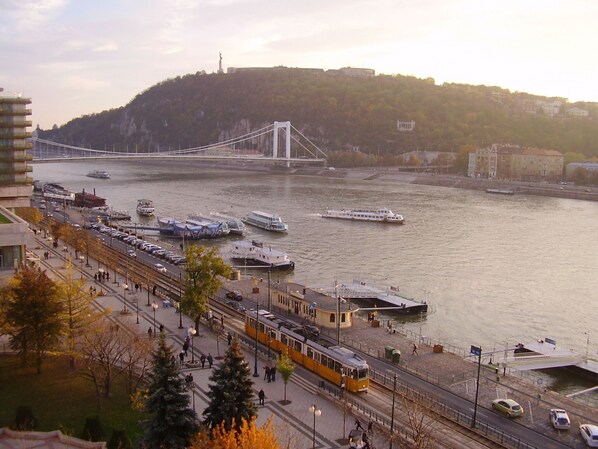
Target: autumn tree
32 314
108 350
203 271
78 311
245 436
172 423
285 367
420 426
231 396
30 214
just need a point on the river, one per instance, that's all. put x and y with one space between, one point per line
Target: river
496 270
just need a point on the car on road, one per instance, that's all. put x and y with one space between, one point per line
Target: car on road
589 432
508 406
237 296
559 418
159 267
132 253
235 305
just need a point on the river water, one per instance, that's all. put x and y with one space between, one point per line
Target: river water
496 270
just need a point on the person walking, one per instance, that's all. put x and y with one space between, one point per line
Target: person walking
210 360
182 357
266 372
273 373
185 348
262 396
414 352
161 328
202 359
229 337
149 332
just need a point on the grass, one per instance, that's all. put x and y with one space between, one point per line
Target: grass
61 399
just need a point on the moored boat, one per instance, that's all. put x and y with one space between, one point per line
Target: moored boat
501 191
383 215
191 229
257 253
100 174
145 207
235 225
265 220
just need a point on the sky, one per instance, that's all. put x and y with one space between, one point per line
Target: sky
79 57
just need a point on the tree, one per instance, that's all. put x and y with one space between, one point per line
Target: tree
285 367
231 394
32 314
172 423
78 313
204 266
246 436
30 214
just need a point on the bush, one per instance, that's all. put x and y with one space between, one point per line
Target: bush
119 440
93 429
24 419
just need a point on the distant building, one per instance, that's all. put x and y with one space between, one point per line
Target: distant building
577 112
345 71
357 72
516 163
589 166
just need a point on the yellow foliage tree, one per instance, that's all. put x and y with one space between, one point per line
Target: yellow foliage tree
249 436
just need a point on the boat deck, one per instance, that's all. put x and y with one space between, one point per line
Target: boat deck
381 299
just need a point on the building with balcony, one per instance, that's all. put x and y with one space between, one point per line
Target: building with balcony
15 183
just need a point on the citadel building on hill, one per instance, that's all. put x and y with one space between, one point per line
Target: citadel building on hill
516 163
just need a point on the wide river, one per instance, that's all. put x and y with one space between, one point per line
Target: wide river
495 269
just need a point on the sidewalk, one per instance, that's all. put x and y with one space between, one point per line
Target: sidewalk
293 422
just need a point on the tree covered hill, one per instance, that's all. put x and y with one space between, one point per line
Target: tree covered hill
336 112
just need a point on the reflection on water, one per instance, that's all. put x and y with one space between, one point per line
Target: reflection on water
495 269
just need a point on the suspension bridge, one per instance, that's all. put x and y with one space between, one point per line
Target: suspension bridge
269 145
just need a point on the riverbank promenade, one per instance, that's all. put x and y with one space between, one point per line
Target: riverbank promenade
293 422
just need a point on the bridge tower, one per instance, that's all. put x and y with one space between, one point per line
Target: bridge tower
287 127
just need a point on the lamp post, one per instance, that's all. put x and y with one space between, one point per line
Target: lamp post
587 344
338 314
392 412
192 332
316 412
269 292
476 351
125 287
154 306
180 308
257 328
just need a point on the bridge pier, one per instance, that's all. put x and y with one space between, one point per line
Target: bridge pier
287 127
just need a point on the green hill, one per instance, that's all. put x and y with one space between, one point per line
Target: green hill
336 112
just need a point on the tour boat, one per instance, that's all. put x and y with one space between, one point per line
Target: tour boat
192 229
379 215
235 225
145 208
101 174
265 220
256 252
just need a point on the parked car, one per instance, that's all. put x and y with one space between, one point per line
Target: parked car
159 267
356 440
559 419
508 406
589 432
235 305
237 296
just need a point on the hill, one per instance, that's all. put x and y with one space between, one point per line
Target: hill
336 112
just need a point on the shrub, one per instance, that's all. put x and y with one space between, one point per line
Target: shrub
93 429
119 440
24 419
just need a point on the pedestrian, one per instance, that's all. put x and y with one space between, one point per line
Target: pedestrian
262 396
107 276
229 338
414 352
95 277
370 427
266 371
358 425
210 360
189 379
154 291
222 321
273 373
149 332
202 359
185 348
182 357
161 328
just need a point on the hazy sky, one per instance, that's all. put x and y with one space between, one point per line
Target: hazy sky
76 57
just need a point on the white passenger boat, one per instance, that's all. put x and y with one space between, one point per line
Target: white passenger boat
265 220
100 174
257 253
145 208
380 215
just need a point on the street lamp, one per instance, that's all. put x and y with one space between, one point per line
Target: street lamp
392 412
192 332
587 344
476 351
125 287
317 412
154 306
257 328
180 308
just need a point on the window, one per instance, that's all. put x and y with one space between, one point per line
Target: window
284 340
332 318
324 360
310 353
298 346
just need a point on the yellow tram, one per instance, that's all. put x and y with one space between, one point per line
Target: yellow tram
337 364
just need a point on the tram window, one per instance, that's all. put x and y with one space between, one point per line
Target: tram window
262 328
310 353
354 374
337 367
284 340
324 360
298 346
331 363
363 373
